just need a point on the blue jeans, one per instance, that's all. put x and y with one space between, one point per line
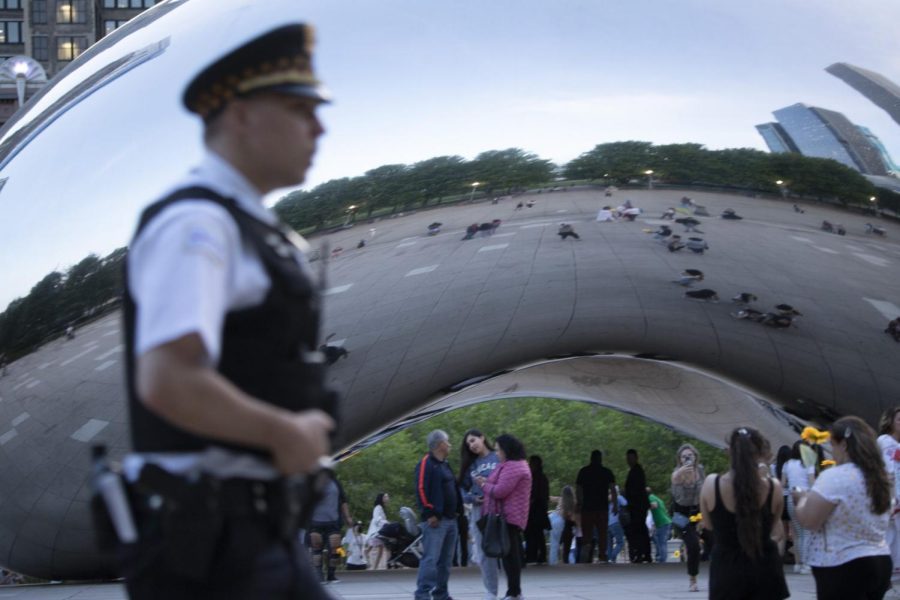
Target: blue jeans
489 566
615 540
660 538
438 544
557 524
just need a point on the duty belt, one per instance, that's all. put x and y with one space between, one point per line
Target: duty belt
284 503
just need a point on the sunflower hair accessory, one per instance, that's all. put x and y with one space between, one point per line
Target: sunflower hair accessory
814 436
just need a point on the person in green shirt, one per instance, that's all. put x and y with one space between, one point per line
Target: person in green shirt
662 525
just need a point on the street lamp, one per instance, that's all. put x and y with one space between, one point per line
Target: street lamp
649 174
351 214
20 69
474 187
781 188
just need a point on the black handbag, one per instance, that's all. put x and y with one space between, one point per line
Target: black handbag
495 537
495 534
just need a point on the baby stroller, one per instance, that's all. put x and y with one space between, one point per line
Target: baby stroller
402 540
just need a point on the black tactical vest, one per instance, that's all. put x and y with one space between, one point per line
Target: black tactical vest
269 351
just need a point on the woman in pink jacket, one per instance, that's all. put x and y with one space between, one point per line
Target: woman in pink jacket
508 490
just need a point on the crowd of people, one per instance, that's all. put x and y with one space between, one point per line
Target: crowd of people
838 515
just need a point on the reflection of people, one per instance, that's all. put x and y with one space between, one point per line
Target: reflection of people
743 509
795 475
697 245
687 481
324 535
662 526
539 505
595 486
675 244
562 524
889 444
478 459
439 503
615 532
355 544
638 505
690 224
566 230
893 329
847 511
215 287
507 491
379 519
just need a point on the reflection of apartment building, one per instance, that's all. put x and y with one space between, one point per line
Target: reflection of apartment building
822 133
54 33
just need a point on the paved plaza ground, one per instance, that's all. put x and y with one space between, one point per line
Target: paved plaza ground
576 582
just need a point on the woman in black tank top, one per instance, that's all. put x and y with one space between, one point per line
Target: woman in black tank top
745 561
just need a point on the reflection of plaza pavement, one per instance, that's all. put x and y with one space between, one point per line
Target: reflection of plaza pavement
55 404
419 313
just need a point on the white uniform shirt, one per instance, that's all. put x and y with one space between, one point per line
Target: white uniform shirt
851 531
187 269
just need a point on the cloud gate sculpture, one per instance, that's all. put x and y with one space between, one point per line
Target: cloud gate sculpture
431 322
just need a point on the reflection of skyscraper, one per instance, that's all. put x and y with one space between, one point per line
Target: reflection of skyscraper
889 164
776 138
877 88
824 134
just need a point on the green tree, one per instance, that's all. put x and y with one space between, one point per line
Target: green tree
562 432
506 170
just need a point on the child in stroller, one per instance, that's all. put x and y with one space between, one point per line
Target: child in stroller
403 540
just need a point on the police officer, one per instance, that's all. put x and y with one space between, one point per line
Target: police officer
229 413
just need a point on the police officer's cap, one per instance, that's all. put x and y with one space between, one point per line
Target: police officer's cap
278 61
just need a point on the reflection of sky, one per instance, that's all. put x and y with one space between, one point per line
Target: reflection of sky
414 80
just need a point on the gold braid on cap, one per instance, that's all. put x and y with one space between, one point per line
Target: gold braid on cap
273 79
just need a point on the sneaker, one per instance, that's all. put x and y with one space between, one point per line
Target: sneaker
805 570
797 568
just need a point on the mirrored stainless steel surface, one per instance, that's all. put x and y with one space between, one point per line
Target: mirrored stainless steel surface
431 322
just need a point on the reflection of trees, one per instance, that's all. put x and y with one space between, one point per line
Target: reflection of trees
86 290
690 164
403 187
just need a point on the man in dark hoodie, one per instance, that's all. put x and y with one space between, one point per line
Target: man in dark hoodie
439 504
596 485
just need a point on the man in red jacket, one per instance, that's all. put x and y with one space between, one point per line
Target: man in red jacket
439 504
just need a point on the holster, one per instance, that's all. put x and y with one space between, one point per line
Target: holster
183 523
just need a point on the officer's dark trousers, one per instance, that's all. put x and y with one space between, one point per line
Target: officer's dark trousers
249 563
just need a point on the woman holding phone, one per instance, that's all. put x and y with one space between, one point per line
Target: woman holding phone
687 481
